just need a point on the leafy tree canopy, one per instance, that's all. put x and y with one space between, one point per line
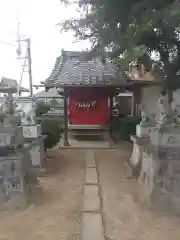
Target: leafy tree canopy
133 30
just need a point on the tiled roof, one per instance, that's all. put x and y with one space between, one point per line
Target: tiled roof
78 68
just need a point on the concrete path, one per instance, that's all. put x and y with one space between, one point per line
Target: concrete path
92 227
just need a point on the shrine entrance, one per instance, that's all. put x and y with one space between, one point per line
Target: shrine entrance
88 106
88 112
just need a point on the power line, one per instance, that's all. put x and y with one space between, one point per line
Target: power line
10 44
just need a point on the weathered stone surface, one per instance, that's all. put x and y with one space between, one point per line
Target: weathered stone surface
143 131
91 198
92 228
37 152
17 178
167 136
159 176
90 160
31 131
91 176
11 136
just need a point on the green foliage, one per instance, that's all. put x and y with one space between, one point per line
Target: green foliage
123 128
42 108
127 127
132 30
50 127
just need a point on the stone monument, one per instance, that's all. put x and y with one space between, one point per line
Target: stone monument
160 161
32 133
17 177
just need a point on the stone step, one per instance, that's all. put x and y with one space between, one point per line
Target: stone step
92 228
90 160
91 199
91 176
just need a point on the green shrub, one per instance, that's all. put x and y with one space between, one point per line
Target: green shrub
42 108
127 127
50 127
123 128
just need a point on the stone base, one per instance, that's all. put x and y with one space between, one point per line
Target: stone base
159 179
143 131
17 179
158 160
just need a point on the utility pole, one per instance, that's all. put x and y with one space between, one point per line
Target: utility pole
27 58
29 66
28 62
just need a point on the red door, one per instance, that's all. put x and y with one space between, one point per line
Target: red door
88 107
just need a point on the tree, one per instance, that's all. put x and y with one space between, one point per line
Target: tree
133 31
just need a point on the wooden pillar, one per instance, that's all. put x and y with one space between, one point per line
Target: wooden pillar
66 141
111 116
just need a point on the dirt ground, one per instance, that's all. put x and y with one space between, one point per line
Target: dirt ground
125 218
56 213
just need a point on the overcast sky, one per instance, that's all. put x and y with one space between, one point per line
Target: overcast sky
38 19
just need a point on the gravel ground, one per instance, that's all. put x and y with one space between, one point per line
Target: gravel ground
125 217
56 213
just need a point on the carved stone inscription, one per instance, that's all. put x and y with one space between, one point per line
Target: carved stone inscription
27 132
31 131
10 178
4 139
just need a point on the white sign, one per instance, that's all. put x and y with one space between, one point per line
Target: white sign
27 132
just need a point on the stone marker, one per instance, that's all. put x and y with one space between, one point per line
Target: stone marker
158 156
18 181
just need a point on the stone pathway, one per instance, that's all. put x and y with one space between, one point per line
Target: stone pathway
92 222
87 144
